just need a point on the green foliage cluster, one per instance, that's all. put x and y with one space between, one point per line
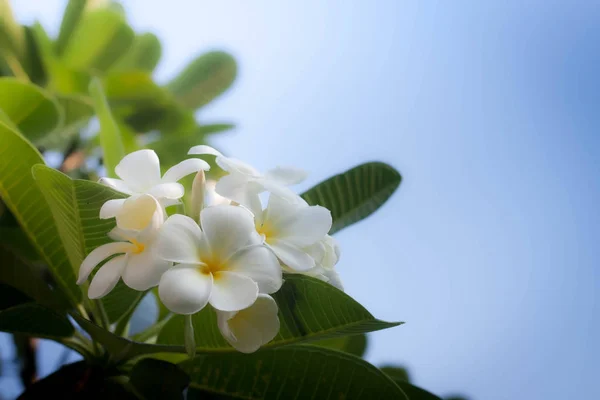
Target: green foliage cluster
99 68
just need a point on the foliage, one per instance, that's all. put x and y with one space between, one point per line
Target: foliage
99 68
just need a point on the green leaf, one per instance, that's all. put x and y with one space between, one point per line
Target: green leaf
355 194
110 138
12 36
156 380
204 79
29 107
35 320
356 344
71 17
294 372
309 309
77 111
143 55
25 200
98 41
75 205
120 347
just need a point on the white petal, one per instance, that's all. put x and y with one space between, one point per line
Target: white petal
249 329
184 168
140 169
279 209
170 191
232 291
292 256
144 270
116 184
179 240
107 277
98 255
306 226
277 189
111 208
184 289
286 175
334 278
137 212
259 264
233 165
227 229
239 188
204 149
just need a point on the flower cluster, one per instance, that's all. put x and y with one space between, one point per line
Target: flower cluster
230 255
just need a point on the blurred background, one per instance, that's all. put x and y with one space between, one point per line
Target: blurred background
490 110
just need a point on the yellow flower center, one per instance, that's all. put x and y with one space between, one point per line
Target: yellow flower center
210 267
265 230
139 247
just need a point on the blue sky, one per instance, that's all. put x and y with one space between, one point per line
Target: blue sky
489 109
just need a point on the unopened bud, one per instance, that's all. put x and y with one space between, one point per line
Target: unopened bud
198 191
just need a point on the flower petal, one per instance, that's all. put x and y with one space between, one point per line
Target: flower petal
111 208
140 170
137 212
306 226
239 188
277 189
184 168
334 278
144 270
98 255
286 175
170 191
180 240
227 229
116 184
292 256
251 328
204 149
184 289
259 264
233 165
107 277
232 291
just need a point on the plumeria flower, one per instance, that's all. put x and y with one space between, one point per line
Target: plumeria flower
249 329
140 174
326 254
135 261
244 181
220 263
290 228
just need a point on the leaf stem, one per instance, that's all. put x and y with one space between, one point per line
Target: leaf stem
122 327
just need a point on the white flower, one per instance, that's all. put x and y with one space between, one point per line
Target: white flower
140 174
326 254
221 264
290 228
243 180
247 330
136 261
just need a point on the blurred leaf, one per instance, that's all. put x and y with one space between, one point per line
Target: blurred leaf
156 380
78 111
396 373
35 320
19 272
204 79
355 194
23 197
11 297
12 35
98 41
355 344
61 78
78 381
309 309
29 107
33 58
170 148
143 55
294 372
71 17
110 138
